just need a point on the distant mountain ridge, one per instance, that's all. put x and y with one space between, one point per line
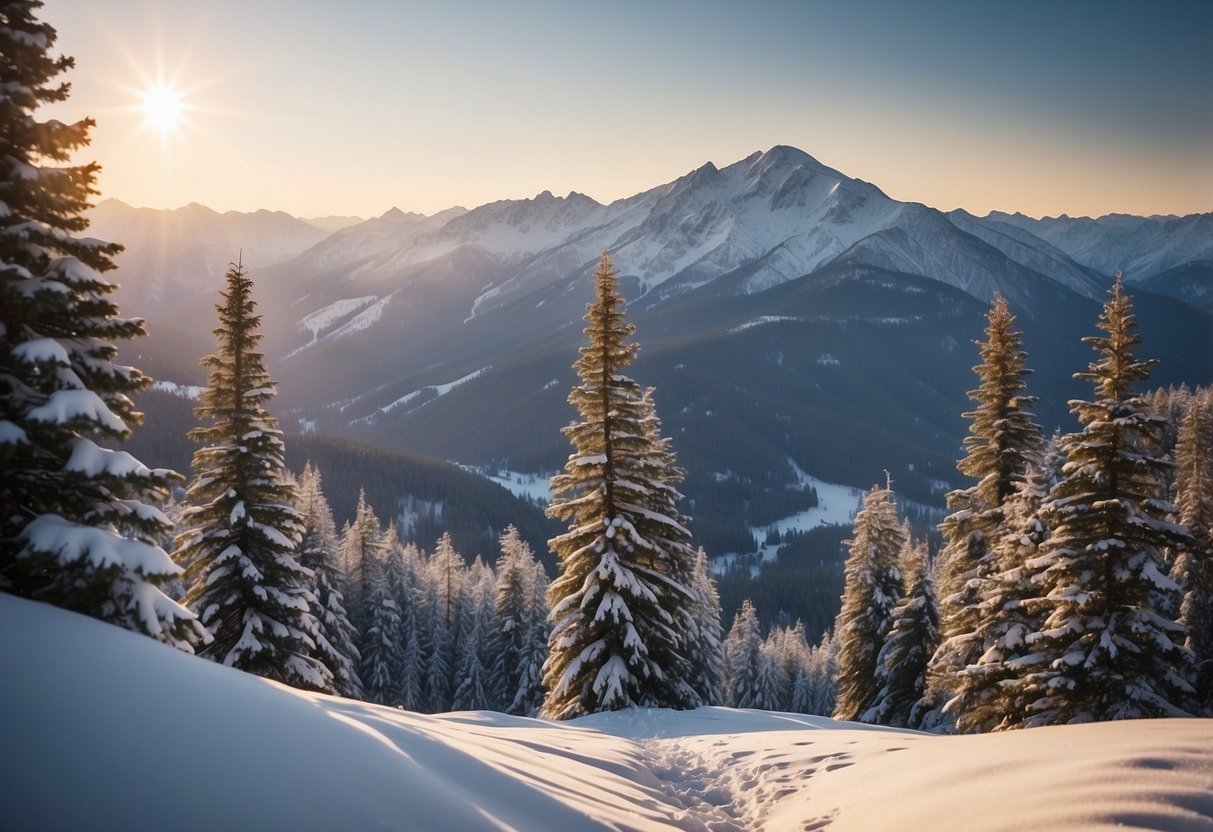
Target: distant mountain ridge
791 317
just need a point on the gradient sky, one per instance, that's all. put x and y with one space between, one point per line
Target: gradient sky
316 107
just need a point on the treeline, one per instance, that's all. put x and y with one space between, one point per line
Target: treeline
1075 582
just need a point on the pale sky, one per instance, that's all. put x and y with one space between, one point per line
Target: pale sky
313 107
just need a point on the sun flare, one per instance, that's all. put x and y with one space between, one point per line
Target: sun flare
163 110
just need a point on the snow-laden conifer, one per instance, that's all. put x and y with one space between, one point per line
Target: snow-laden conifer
245 582
901 668
707 655
472 681
1194 498
336 640
519 638
769 683
360 540
1104 652
382 650
873 588
1003 441
742 649
410 596
78 522
622 601
987 695
444 576
823 666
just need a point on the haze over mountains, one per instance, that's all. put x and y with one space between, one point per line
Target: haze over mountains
790 317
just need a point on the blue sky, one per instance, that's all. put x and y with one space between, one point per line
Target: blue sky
315 107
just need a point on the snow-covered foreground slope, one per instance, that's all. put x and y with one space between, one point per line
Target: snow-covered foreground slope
104 729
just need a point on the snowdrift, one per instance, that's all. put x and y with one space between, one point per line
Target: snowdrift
104 729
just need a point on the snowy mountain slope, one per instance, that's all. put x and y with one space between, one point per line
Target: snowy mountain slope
354 243
1192 283
1030 251
111 730
1141 247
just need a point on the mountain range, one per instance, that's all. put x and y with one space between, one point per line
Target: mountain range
792 318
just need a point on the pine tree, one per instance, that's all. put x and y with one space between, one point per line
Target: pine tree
1194 486
1003 442
78 526
473 684
530 695
244 580
382 651
769 683
985 696
1104 652
516 623
359 542
622 603
336 638
901 667
445 592
742 649
707 659
409 593
823 665
873 588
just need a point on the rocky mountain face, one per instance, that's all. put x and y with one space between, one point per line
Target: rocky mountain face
792 319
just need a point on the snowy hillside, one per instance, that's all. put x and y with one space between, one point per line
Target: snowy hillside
110 730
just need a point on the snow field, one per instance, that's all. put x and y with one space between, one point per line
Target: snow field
115 730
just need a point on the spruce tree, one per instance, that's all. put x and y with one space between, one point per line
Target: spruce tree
382 651
445 577
1003 442
359 542
985 693
336 639
245 582
1104 652
473 683
622 602
873 588
410 594
707 659
823 668
742 656
901 667
78 526
769 684
517 625
1194 484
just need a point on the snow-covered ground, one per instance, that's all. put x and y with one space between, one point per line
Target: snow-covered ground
185 391
104 729
534 487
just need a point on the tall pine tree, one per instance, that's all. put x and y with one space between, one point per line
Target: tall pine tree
984 692
1194 486
901 667
245 582
78 526
707 659
622 602
742 658
336 639
873 588
1104 652
1003 441
519 637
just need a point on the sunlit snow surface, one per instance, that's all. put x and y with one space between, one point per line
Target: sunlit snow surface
104 729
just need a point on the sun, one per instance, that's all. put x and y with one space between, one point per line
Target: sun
163 110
